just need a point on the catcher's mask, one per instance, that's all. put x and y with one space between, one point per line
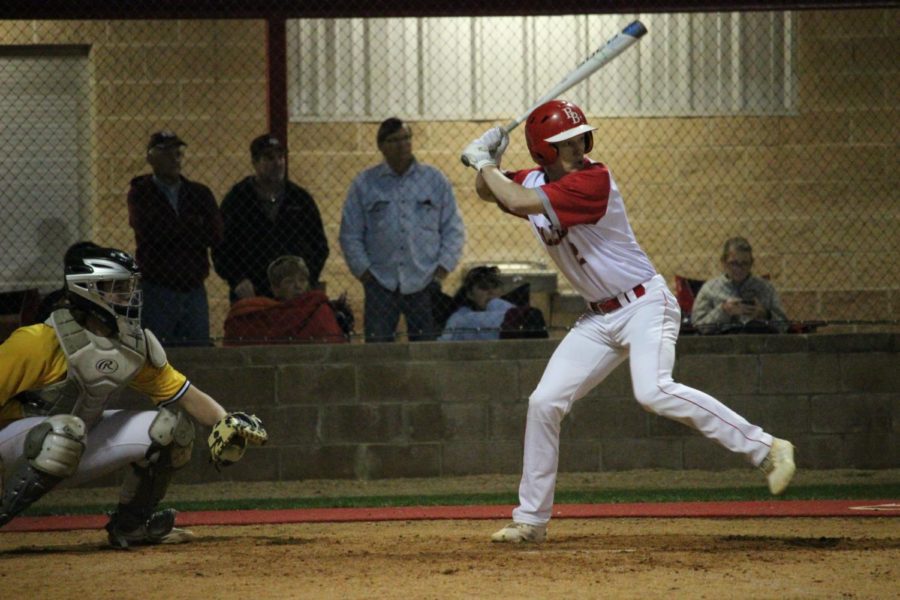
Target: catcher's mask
552 122
105 282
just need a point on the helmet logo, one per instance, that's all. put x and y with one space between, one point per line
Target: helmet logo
107 365
573 116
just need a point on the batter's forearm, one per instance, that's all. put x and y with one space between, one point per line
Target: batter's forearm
482 189
516 198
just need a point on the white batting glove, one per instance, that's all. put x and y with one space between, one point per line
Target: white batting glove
477 155
486 150
496 139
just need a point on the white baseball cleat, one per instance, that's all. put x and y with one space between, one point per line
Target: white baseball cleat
521 532
779 465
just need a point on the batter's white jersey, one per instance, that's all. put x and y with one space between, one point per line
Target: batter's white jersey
586 231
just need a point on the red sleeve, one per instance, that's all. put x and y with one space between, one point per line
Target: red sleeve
519 176
146 215
580 197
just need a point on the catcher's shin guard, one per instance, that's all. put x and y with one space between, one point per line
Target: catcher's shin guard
26 486
135 520
53 449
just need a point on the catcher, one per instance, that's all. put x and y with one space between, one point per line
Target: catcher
56 381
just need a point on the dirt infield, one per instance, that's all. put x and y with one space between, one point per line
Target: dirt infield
584 558
608 558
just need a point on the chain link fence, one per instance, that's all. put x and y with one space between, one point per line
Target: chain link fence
781 127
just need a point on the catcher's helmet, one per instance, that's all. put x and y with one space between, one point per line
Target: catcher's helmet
105 282
552 122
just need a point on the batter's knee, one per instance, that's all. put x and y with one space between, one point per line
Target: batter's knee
653 395
546 407
172 437
55 445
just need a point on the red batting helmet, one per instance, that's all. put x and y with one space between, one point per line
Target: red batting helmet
552 122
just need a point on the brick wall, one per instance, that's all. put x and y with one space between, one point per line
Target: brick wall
433 409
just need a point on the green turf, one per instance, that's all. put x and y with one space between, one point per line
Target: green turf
813 492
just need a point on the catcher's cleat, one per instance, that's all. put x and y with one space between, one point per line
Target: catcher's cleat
158 529
779 465
515 533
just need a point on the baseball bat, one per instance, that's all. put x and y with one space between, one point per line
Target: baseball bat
593 63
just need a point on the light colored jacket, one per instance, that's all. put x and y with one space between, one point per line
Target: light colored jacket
401 228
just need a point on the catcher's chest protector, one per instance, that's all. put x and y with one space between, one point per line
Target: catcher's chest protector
100 366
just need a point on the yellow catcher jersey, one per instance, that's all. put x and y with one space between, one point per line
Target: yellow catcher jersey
32 359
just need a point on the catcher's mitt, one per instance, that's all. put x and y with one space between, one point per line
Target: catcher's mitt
230 436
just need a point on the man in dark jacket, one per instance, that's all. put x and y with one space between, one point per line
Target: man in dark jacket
175 222
267 216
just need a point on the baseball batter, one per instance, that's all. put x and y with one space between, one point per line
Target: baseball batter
56 380
577 213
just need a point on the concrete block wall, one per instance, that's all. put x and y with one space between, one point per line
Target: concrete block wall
441 409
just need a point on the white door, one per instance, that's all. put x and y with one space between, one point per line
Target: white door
44 162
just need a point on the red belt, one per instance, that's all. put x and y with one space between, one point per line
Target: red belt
602 307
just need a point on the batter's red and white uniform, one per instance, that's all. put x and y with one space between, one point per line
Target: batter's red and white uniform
585 230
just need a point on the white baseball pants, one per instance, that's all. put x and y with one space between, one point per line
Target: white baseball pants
645 329
118 439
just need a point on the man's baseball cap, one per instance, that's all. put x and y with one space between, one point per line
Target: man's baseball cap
264 143
165 139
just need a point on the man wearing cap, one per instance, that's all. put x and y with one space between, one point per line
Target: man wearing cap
175 222
267 216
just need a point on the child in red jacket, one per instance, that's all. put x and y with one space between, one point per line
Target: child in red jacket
296 314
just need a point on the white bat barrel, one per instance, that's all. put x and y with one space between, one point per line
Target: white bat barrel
611 49
593 63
